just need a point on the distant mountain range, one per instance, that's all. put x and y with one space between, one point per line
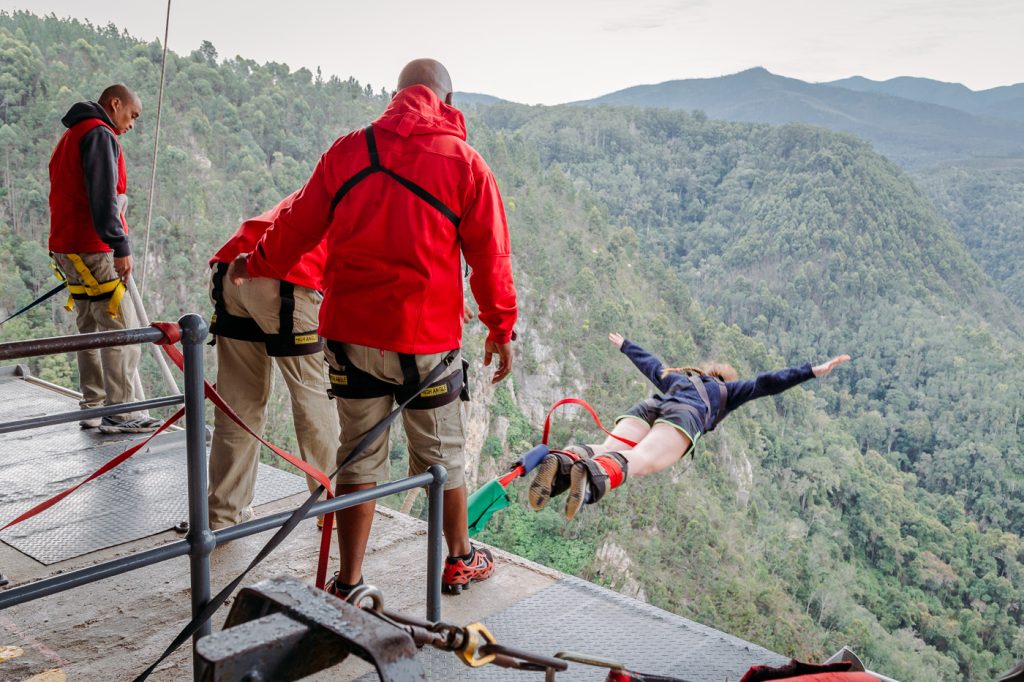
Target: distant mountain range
914 121
462 99
1006 102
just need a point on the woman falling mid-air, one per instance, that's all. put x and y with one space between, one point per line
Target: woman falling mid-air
665 428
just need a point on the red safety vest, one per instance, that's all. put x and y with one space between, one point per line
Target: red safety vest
71 226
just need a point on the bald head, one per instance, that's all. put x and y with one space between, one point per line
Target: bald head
428 72
120 91
122 106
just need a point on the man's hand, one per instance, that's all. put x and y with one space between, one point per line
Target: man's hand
504 351
467 312
238 270
823 369
616 339
123 266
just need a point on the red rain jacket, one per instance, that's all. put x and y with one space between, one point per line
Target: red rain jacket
393 277
307 272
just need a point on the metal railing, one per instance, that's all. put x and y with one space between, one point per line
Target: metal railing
200 540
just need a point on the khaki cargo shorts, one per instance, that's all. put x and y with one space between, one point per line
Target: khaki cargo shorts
436 436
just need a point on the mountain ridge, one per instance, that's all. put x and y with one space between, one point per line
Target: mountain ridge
914 133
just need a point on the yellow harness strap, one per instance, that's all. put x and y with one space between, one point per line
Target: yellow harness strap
59 274
114 288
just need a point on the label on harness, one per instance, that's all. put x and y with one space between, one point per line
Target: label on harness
339 379
306 338
434 390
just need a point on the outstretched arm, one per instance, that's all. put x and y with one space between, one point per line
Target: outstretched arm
644 361
826 367
772 383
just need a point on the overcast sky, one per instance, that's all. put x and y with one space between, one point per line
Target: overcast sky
551 51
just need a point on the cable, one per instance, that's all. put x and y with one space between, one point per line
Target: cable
156 150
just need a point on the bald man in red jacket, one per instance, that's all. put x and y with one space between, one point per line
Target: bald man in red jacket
399 202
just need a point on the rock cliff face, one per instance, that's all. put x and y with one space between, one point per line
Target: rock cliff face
478 422
735 461
537 381
543 382
614 566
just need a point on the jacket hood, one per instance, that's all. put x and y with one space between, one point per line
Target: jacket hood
416 110
83 111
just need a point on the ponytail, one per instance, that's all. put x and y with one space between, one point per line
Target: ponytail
718 370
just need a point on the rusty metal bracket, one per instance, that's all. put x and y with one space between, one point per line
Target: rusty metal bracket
283 629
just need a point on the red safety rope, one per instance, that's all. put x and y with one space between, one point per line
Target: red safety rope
46 504
519 470
172 335
585 405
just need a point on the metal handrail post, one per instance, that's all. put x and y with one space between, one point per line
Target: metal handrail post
435 532
200 538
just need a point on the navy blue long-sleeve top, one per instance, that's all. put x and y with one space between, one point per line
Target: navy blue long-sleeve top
678 388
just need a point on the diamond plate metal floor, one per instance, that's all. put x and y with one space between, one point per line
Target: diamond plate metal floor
144 496
574 615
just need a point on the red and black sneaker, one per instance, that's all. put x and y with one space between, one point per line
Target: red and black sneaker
459 572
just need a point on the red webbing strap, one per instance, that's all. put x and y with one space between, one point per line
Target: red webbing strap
511 476
582 403
118 459
216 399
172 335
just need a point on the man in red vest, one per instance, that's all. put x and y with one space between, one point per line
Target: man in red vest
89 243
398 202
266 322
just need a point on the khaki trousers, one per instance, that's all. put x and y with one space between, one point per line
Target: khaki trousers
436 436
108 376
244 378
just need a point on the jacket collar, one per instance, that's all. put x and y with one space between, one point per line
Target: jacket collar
416 110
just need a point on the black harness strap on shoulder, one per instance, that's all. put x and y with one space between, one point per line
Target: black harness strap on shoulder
709 421
376 167
698 384
371 148
723 396
451 215
224 324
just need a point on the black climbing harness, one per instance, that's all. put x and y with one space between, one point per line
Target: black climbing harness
352 383
285 343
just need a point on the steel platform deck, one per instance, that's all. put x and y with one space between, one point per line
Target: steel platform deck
144 496
575 615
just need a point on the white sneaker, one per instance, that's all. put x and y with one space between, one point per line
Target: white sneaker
140 425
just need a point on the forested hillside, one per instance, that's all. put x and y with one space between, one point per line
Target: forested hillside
880 508
984 202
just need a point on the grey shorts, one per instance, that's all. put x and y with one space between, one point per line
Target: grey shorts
654 410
